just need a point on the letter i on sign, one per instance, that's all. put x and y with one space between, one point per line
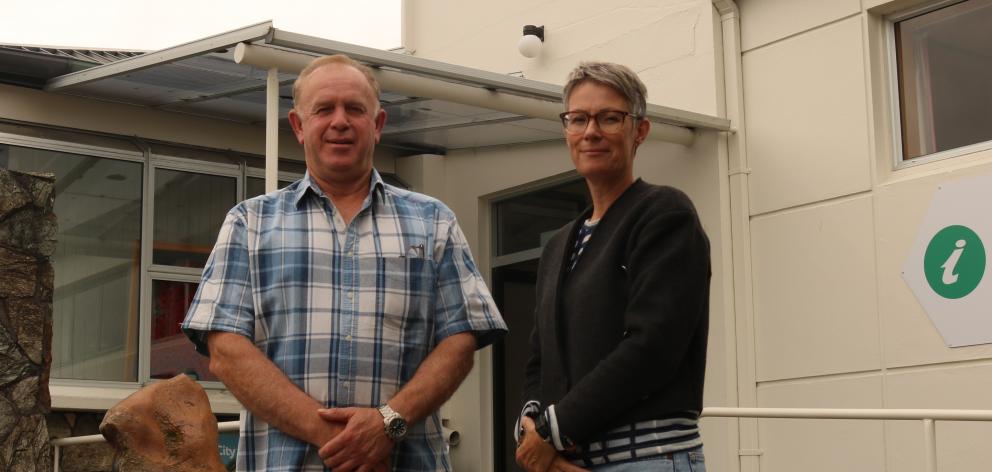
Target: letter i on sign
949 276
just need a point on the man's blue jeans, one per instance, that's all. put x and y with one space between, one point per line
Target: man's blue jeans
690 460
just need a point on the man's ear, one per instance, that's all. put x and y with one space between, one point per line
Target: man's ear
297 123
380 122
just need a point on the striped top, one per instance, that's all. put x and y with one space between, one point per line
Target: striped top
642 440
348 312
581 240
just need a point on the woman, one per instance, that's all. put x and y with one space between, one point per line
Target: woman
615 379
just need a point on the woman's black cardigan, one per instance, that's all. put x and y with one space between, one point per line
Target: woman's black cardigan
622 337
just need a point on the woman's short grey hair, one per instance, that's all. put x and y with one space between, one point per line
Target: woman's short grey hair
619 77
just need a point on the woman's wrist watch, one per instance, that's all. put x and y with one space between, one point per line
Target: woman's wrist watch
395 424
542 424
542 427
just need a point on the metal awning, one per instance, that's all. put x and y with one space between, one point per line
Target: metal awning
246 75
33 66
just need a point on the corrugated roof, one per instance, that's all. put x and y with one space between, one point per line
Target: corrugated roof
96 56
32 66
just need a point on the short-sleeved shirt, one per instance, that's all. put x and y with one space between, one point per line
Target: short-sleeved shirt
348 312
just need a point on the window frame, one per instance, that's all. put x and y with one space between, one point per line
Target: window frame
151 272
898 160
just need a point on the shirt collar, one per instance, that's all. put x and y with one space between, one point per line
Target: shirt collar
308 185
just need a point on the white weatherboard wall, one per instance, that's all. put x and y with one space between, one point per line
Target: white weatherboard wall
673 47
832 223
668 42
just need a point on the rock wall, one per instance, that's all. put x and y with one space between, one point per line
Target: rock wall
27 241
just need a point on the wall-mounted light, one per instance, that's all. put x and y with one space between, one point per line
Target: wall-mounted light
530 44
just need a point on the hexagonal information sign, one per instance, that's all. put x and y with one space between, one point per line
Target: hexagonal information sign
948 265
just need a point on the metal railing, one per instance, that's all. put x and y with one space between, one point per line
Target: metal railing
927 416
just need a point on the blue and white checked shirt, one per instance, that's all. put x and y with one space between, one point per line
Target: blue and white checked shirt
348 312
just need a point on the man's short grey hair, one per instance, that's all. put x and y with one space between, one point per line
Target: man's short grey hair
617 76
340 59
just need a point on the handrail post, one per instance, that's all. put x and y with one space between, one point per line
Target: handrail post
56 457
930 445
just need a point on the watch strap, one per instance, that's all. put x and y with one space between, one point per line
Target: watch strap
394 424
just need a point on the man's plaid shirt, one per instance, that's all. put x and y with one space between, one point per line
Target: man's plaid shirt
348 312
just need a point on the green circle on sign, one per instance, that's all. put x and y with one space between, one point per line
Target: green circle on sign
954 262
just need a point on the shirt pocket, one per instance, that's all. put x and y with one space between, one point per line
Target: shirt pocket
404 297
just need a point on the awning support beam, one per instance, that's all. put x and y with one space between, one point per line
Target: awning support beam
272 130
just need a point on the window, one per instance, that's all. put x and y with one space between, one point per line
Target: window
525 222
172 352
97 261
255 186
119 297
944 68
189 210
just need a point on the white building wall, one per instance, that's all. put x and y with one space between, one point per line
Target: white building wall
832 222
668 42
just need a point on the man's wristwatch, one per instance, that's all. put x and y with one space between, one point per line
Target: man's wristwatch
396 427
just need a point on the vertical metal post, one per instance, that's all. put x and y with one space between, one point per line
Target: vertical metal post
56 458
929 445
272 130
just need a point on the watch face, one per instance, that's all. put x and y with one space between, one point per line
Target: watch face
397 429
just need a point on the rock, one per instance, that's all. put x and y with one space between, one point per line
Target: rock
45 282
13 196
41 187
25 396
29 319
28 446
8 418
98 457
18 275
166 426
13 364
30 231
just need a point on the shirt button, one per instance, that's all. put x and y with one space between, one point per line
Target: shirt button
346 386
349 295
349 253
348 337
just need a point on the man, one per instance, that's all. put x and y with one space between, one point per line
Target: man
341 311
615 379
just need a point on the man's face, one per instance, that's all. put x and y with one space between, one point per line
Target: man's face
595 153
338 121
